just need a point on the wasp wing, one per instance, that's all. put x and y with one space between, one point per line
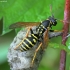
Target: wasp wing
46 38
23 24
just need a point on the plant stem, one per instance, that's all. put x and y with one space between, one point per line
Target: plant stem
65 33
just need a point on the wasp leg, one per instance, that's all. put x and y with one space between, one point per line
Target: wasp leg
35 54
23 38
56 30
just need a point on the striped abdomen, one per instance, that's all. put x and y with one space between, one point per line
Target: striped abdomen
29 42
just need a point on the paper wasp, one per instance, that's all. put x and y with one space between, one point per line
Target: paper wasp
41 32
29 41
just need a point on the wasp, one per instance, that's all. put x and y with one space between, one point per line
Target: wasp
29 41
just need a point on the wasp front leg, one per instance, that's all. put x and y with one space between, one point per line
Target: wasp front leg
56 30
29 29
36 54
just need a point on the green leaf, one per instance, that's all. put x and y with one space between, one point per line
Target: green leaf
58 46
68 54
68 42
1 26
28 10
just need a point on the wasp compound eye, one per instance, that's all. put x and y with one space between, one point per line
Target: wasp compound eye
54 23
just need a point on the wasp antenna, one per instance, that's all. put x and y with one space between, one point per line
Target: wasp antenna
63 21
51 10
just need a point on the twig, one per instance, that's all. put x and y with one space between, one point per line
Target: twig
65 33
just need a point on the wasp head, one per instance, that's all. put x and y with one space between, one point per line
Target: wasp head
53 21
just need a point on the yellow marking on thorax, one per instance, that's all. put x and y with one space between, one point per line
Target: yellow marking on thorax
38 29
42 29
42 26
26 45
34 40
29 42
48 28
50 22
34 36
40 32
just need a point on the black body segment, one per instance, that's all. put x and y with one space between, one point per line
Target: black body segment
29 42
43 27
46 23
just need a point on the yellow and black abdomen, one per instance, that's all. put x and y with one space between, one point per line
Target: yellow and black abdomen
29 42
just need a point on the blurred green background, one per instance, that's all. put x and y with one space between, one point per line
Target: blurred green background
5 41
32 11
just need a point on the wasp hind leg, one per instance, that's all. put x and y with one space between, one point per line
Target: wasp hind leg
29 29
36 53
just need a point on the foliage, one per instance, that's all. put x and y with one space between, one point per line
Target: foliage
31 10
28 10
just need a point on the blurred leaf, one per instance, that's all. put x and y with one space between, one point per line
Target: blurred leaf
1 25
68 42
28 10
59 46
44 68
5 41
68 54
68 61
4 66
50 60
